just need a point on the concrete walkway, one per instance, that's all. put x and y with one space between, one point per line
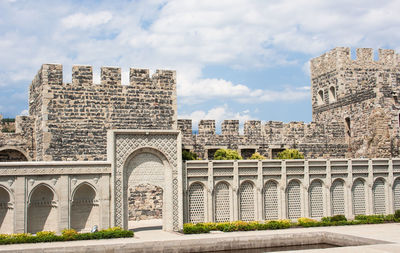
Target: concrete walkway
154 239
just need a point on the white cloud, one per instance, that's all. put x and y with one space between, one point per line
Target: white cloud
84 21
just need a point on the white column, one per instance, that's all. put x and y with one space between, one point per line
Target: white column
369 196
20 207
210 182
327 194
63 188
283 210
235 187
389 189
347 193
260 183
306 200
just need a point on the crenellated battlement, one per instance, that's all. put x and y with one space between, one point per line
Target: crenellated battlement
340 57
82 75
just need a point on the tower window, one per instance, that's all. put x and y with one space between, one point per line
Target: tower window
320 97
332 94
348 127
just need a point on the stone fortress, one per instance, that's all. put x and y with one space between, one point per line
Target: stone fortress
103 154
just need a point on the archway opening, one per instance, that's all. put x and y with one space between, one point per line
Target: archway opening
316 199
12 155
293 196
222 202
271 201
42 210
358 192
247 201
84 208
6 212
337 197
145 181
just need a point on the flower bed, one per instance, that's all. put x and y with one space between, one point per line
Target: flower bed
66 235
338 220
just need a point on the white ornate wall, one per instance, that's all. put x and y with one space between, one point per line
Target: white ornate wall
290 189
37 196
125 148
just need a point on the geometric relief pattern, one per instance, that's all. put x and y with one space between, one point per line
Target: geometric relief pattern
222 202
271 201
378 191
396 194
359 197
337 197
316 199
247 202
294 200
125 145
196 203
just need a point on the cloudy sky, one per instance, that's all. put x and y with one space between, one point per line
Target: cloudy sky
235 59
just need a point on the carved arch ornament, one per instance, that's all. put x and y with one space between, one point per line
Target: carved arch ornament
123 145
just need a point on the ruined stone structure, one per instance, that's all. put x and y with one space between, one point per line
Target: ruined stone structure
106 154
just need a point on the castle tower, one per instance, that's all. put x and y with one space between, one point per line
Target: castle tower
72 119
363 94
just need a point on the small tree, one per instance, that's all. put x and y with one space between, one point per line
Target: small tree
257 156
188 155
290 154
227 154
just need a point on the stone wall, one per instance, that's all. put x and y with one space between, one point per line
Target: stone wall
315 140
18 145
145 202
71 119
219 191
365 92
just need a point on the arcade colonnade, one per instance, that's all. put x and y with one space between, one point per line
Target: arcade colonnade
218 191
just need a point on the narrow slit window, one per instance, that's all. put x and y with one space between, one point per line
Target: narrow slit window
348 126
332 94
320 97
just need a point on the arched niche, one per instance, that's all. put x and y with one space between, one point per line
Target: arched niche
84 208
12 155
6 212
147 179
42 209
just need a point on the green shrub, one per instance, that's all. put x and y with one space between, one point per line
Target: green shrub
397 214
389 217
66 235
257 156
190 228
338 218
290 154
188 155
227 154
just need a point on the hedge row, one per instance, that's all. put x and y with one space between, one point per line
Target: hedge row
338 220
66 235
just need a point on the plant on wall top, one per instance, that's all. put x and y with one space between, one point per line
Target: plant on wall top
227 154
257 156
188 155
290 154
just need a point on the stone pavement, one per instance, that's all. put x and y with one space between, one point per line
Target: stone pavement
152 239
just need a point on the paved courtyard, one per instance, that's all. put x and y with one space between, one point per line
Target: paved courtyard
149 236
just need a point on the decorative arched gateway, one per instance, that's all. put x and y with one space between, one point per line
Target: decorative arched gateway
293 196
379 196
358 192
316 199
6 211
247 201
84 208
42 209
146 158
223 199
271 203
337 197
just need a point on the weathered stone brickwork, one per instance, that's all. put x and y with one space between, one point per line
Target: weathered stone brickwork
314 140
361 93
145 202
71 119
